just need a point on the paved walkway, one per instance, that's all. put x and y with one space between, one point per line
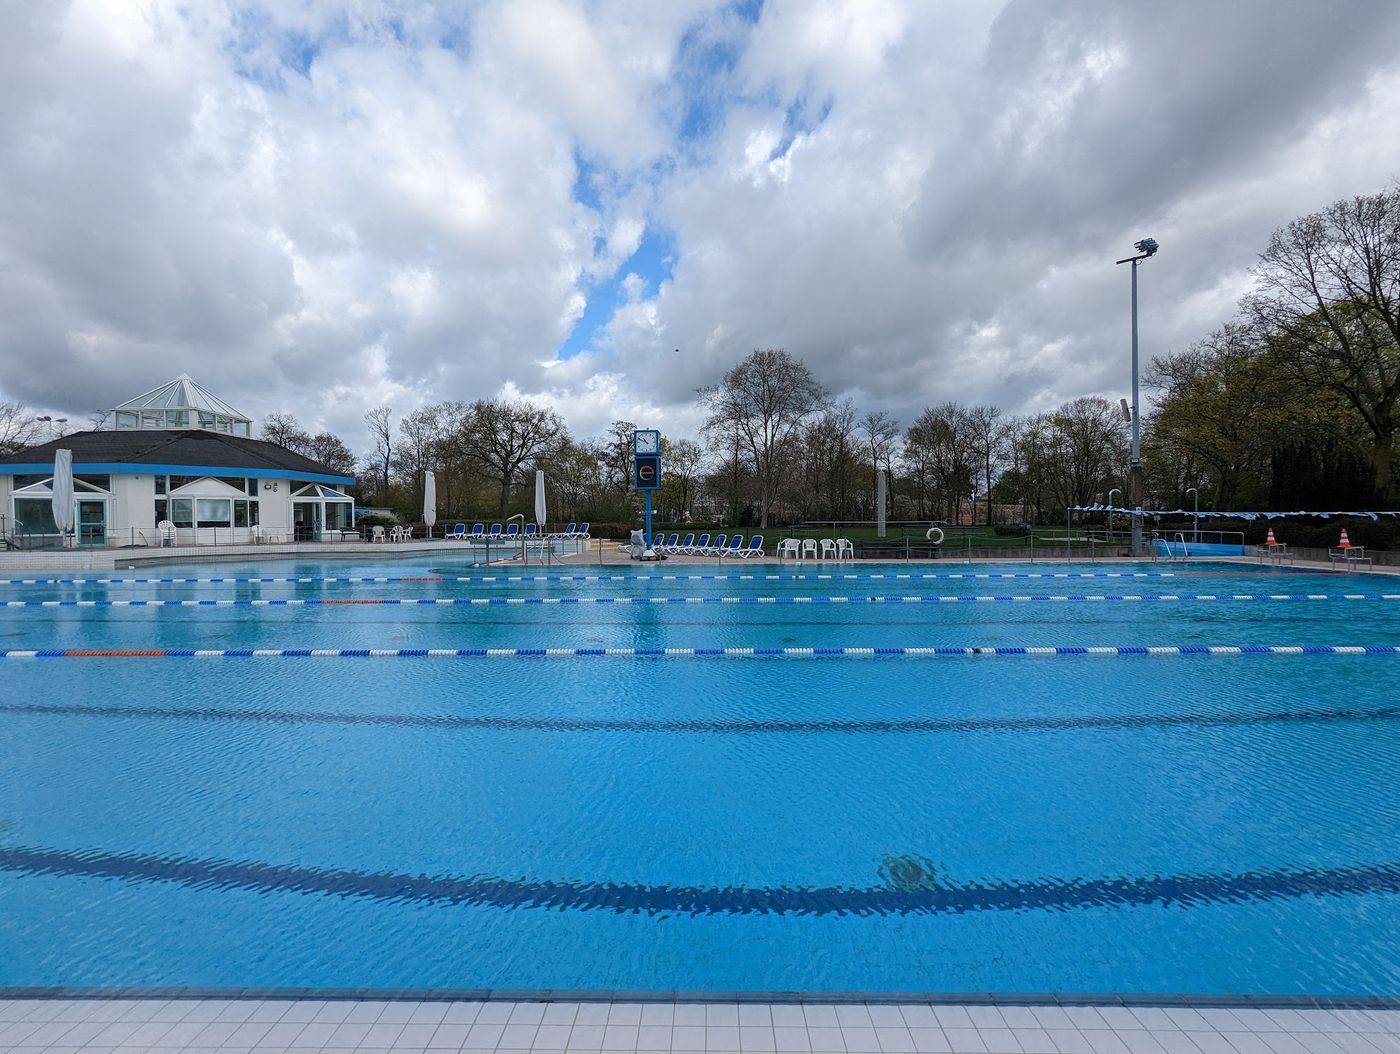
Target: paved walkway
266 1026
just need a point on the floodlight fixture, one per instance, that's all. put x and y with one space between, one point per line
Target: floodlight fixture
1148 246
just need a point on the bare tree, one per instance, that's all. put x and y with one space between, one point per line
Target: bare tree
1088 449
18 428
286 431
504 436
881 431
380 422
763 401
1328 288
990 434
330 450
617 445
941 447
681 461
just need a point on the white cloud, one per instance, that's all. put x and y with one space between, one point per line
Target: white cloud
319 211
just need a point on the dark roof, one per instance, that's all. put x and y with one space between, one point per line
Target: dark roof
194 447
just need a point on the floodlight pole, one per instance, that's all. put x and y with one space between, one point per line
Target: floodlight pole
1146 248
1195 516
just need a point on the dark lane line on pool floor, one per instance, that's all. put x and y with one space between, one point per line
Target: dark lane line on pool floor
931 897
741 726
890 599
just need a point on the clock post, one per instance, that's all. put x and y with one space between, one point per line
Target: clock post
646 468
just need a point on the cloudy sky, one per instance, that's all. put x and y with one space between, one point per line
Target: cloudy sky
317 206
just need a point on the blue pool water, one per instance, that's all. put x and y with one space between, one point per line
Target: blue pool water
1136 824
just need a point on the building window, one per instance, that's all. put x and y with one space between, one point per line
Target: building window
162 484
182 512
126 419
177 419
35 514
206 420
161 506
245 513
214 512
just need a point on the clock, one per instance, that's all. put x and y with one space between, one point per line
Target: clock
646 441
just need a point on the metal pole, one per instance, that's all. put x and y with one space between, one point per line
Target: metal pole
647 495
1135 465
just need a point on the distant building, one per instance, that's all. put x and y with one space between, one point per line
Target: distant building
176 454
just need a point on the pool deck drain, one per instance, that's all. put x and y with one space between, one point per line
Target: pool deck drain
719 1024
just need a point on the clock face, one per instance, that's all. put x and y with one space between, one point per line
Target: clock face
647 442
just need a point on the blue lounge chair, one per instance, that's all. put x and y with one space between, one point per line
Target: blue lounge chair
686 545
512 529
755 547
736 547
582 530
672 544
495 531
699 546
478 530
717 547
530 530
459 532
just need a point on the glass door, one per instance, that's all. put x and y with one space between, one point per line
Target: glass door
92 522
306 521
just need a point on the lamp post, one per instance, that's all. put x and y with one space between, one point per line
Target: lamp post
53 427
1195 516
1145 248
1111 491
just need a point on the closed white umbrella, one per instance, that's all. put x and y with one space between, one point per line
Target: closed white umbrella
540 516
429 500
63 492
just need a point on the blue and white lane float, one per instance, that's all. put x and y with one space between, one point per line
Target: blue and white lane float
826 576
726 653
1069 598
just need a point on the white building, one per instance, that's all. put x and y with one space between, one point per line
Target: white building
176 454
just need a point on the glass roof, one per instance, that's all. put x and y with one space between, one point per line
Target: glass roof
182 393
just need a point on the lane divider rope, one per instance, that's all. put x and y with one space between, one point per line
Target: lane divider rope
358 579
1071 598
755 652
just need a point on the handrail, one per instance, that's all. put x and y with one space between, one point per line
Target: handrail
521 517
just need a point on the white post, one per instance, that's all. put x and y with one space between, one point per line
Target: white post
880 486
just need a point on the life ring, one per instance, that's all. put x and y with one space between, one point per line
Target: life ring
929 535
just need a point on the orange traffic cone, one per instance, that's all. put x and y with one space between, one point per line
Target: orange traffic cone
1345 543
1271 540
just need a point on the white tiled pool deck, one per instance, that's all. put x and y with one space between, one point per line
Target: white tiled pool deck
305 1025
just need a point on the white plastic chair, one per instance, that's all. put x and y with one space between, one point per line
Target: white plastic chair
845 549
809 548
167 532
828 549
377 534
789 547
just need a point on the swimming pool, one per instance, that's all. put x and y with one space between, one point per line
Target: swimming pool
436 805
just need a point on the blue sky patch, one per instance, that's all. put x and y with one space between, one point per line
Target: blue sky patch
653 261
